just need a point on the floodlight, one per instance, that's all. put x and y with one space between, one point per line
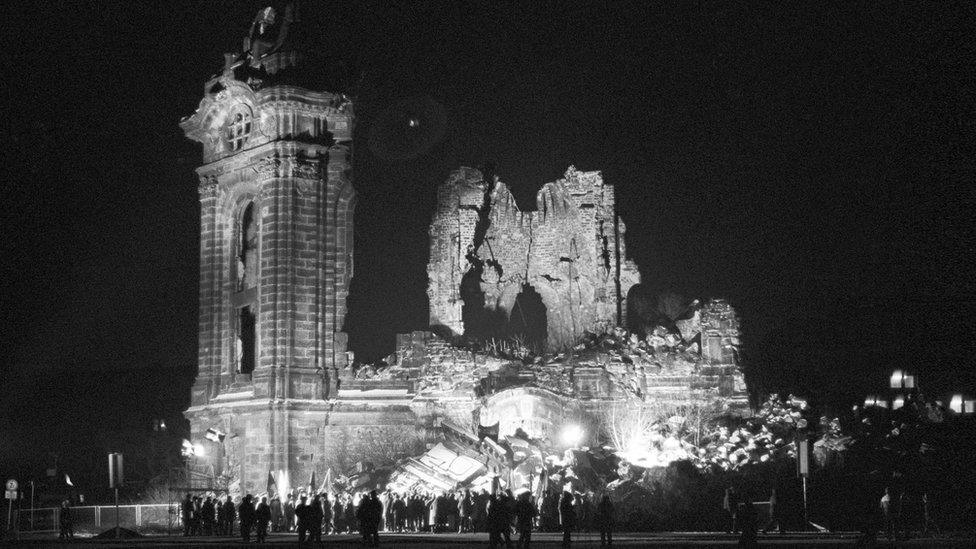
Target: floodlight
571 435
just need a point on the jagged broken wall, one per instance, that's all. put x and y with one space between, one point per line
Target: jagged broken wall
488 257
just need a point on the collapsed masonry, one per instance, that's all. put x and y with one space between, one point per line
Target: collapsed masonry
519 394
547 275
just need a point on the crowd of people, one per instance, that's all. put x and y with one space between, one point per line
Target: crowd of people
311 516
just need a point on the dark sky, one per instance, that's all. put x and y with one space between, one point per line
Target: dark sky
812 163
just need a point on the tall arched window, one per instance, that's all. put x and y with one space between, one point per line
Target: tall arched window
247 249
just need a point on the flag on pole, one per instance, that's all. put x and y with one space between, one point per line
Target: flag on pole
311 484
271 484
543 483
67 480
327 482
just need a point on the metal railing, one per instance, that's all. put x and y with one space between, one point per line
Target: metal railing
158 518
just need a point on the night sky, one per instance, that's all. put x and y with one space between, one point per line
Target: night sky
813 164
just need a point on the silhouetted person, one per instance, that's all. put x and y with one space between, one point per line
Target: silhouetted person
315 519
207 516
605 521
230 513
748 522
289 511
525 512
186 514
246 511
930 526
494 522
302 516
567 517
731 506
886 514
277 514
262 518
67 529
773 513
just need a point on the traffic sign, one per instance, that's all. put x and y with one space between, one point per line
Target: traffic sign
11 484
11 494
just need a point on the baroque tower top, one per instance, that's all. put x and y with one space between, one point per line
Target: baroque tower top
274 69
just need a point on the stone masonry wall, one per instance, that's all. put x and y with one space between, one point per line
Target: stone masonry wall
570 250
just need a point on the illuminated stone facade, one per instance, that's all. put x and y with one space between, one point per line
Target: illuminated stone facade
486 253
276 254
276 260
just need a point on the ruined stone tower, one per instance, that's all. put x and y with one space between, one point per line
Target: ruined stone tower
487 255
276 227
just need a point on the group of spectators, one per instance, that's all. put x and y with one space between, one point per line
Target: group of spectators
389 511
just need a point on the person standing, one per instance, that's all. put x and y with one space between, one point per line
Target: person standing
493 522
315 515
246 511
326 514
186 514
773 513
525 513
229 516
67 529
207 516
731 506
262 517
277 514
886 512
289 512
567 518
748 521
604 520
302 516
930 527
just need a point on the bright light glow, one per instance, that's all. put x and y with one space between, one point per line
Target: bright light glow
896 379
898 403
955 404
199 450
909 382
571 435
187 449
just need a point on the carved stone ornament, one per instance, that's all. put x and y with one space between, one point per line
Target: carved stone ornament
208 186
269 125
268 167
304 186
305 169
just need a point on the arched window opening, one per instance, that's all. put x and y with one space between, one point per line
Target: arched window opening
247 246
246 340
527 320
238 127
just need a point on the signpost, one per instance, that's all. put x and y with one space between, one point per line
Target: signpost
10 492
115 479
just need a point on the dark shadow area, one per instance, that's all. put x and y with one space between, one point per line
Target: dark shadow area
528 318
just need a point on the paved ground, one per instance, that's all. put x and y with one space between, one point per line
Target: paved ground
453 541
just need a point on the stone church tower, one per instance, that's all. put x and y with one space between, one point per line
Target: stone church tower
276 229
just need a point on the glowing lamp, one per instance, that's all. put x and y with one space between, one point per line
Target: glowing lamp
199 450
956 404
897 403
909 382
571 435
969 407
187 449
896 379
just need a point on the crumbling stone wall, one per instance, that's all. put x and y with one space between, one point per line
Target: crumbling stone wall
570 250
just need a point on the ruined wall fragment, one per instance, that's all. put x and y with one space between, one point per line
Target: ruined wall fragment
569 249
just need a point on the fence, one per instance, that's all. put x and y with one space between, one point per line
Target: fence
90 520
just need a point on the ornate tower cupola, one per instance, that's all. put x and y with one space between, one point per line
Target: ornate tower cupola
276 212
